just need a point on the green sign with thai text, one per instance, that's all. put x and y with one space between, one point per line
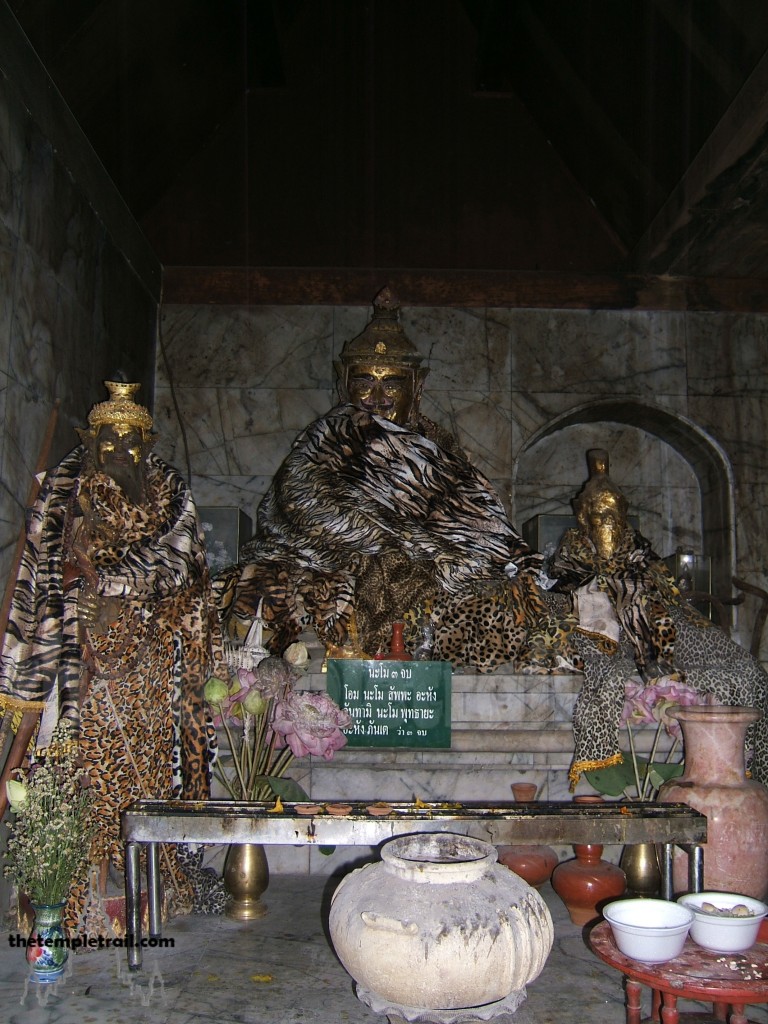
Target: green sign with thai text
393 703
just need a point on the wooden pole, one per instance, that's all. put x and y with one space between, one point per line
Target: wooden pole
29 718
34 490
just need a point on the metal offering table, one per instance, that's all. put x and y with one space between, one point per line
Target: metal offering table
149 823
730 981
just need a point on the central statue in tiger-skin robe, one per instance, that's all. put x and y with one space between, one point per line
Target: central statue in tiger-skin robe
376 515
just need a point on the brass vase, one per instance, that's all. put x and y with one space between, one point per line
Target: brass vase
640 863
246 877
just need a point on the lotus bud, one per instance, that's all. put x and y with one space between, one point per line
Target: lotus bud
253 703
16 793
296 654
216 691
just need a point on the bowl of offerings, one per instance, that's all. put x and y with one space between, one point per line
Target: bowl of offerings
724 922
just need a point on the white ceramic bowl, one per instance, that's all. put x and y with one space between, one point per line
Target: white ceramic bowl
724 934
649 930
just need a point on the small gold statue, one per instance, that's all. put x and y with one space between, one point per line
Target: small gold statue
601 509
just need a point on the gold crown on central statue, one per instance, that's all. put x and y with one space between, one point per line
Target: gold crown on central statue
383 342
120 410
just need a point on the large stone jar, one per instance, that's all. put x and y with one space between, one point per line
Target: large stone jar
715 783
439 924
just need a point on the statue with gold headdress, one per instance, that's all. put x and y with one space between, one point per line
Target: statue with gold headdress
113 628
632 621
377 514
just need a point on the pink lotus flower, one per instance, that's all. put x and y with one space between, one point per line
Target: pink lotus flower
267 724
637 708
310 723
672 693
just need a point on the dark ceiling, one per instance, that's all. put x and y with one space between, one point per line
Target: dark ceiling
586 136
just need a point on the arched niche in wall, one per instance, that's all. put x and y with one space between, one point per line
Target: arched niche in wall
676 478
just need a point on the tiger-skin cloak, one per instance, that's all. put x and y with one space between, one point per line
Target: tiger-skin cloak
131 692
661 635
369 516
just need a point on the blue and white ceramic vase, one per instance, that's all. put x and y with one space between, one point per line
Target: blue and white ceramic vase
47 951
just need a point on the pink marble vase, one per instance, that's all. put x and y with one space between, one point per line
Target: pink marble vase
715 783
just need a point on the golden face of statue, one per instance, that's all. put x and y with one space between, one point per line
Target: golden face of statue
118 444
119 451
387 391
605 522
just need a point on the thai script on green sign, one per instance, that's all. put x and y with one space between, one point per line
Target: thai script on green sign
394 703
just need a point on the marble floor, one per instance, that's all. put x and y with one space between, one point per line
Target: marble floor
280 970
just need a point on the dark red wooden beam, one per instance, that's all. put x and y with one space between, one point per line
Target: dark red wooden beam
287 286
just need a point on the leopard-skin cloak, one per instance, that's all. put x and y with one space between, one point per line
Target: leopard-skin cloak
132 691
660 633
368 516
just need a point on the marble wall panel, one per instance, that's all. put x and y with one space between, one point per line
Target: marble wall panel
455 345
739 423
27 415
31 340
72 345
481 422
62 232
11 517
538 414
468 683
258 347
752 521
11 161
727 354
207 429
407 781
564 701
598 352
239 433
69 299
7 279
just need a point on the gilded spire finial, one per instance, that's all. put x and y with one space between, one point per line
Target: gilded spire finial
120 410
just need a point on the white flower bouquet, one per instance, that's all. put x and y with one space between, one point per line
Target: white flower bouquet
51 826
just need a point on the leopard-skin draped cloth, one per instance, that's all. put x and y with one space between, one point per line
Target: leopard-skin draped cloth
372 518
660 634
131 688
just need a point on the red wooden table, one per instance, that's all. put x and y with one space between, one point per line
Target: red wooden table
730 981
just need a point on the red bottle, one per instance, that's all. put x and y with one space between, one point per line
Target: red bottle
397 651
